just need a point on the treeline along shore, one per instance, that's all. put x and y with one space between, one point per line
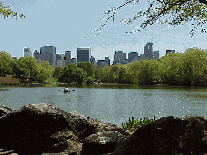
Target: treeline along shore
183 69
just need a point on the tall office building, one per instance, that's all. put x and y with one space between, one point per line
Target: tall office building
83 54
101 63
74 60
156 55
119 56
107 60
142 56
92 60
27 51
67 58
60 60
37 56
131 56
48 53
170 51
15 58
148 50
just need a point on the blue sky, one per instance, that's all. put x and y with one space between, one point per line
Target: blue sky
65 23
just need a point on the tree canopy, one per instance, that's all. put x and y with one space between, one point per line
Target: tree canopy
172 12
6 12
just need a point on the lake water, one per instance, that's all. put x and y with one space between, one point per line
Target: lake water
112 103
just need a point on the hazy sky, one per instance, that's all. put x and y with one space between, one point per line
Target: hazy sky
65 23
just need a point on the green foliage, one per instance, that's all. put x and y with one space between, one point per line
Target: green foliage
88 67
89 80
5 64
132 124
124 74
6 11
97 72
57 72
176 12
48 69
105 74
26 67
72 73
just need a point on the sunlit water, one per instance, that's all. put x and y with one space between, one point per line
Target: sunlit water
113 104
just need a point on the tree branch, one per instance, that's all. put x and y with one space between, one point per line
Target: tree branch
203 1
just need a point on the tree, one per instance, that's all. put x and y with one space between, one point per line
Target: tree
6 12
5 64
49 70
26 67
57 72
88 67
179 11
72 73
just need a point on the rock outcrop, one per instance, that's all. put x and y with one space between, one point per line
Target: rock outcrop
46 129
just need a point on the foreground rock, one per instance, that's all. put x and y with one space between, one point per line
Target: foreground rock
46 129
167 136
43 128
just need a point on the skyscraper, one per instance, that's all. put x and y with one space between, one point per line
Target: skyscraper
92 60
67 57
107 60
148 50
132 55
119 56
156 55
27 51
101 63
48 53
83 54
170 51
37 56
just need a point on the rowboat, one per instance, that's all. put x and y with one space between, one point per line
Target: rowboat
65 91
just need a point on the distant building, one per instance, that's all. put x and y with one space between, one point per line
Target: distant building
67 58
27 51
60 60
132 56
156 55
48 53
37 56
170 51
15 58
83 54
92 60
119 56
142 56
107 60
148 50
101 63
135 58
74 60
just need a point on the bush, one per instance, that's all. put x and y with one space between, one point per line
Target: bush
89 80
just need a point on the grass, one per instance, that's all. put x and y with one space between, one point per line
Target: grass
9 81
132 124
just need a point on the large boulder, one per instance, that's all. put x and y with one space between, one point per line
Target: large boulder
34 128
4 110
167 135
101 142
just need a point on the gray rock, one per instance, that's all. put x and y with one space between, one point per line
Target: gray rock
36 127
101 142
4 110
166 136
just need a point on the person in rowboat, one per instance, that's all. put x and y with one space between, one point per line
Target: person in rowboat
66 89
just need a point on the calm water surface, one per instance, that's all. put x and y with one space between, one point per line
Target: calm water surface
112 103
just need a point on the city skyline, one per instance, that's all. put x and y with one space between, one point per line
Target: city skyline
68 29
